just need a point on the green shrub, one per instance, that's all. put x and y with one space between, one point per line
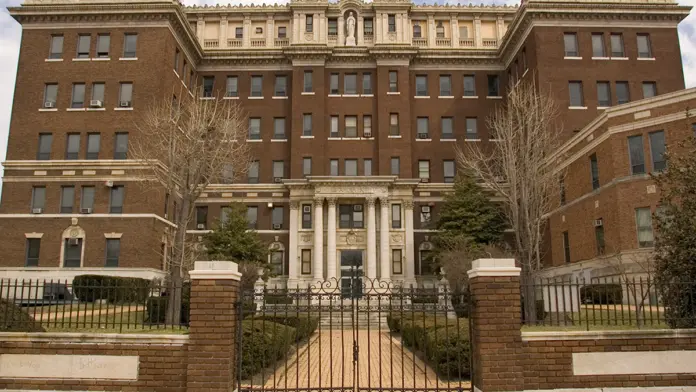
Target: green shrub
604 293
114 289
263 343
304 325
14 319
156 307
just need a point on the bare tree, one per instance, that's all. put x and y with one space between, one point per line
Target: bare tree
184 146
636 274
516 167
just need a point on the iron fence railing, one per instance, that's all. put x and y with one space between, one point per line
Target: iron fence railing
100 305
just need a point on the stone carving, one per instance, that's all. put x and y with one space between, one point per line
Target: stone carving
396 238
294 205
370 201
408 204
350 30
331 201
384 202
306 238
352 191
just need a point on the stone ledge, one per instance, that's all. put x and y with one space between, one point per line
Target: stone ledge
601 335
92 338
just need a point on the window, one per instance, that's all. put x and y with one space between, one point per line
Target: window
350 84
424 170
279 128
426 262
644 227
367 26
393 85
562 190
367 126
278 169
113 251
67 199
259 30
277 217
56 50
50 95
72 146
334 126
351 128
252 217
391 21
394 124
644 50
306 261
257 86
471 129
208 82
121 145
448 169
232 89
282 32
396 216
98 93
417 31
83 45
307 124
281 86
177 56
617 46
254 129
308 86
445 86
228 174
32 253
253 173
524 60
576 98
87 197
598 49
38 197
333 26
45 141
126 95
201 217
103 44
463 32
396 262
395 166
333 167
350 167
622 93
469 86
116 200
421 85
306 216
594 171
130 42
440 30
649 89
350 216
570 42
238 32
423 128
603 94
426 214
566 247
599 239
309 23
367 84
93 145
78 95
635 154
367 167
657 150
72 256
277 263
493 86
333 83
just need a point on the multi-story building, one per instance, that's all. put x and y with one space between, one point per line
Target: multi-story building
354 111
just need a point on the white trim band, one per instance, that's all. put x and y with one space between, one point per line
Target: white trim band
215 270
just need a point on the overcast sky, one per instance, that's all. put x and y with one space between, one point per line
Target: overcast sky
10 33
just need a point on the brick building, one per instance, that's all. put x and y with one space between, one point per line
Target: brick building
354 111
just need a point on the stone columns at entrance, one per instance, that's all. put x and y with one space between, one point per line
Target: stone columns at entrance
318 259
292 252
331 240
409 270
384 259
371 239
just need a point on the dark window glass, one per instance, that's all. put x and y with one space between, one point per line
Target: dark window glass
32 253
635 153
598 49
617 46
350 84
622 93
252 216
278 169
493 86
333 26
307 124
395 166
394 124
306 261
421 85
471 128
239 32
562 190
50 95
350 216
208 82
657 150
254 128
367 167
367 26
253 173
396 216
566 247
56 50
67 199
103 44
45 142
367 84
87 198
78 96
121 145
350 167
308 85
396 262
257 86
393 86
38 197
72 256
445 85
603 94
281 86
644 50
576 96
422 123
83 46
279 128
570 42
333 167
116 200
97 95
448 168
201 217
130 42
469 86
333 83
446 128
232 89
93 145
125 95
72 146
391 21
306 216
649 89
277 217
599 239
113 251
594 171
309 23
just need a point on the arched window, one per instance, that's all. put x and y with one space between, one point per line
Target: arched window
440 30
416 31
72 246
276 258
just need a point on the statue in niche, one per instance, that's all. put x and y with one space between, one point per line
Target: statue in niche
350 30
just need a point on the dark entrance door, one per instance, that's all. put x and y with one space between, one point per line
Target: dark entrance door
351 273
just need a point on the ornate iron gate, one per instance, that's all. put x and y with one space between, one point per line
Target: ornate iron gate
363 336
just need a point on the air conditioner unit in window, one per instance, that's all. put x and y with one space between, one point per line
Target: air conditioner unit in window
124 104
86 210
73 242
276 226
200 226
49 104
307 209
109 184
422 136
598 222
95 103
425 209
277 179
367 133
425 179
36 210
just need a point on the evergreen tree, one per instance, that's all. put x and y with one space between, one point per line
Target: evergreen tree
232 240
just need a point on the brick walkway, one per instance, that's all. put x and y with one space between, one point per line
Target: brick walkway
327 363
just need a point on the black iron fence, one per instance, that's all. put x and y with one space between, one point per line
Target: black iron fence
97 303
621 302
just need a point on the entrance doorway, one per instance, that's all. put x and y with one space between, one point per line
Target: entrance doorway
351 273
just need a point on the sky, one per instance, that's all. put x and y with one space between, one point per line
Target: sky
11 32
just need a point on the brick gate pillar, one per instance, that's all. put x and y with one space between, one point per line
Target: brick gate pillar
213 326
496 322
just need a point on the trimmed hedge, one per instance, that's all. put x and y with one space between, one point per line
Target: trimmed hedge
304 325
263 342
14 319
604 294
114 289
443 342
156 307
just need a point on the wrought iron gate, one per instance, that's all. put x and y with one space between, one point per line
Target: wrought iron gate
363 336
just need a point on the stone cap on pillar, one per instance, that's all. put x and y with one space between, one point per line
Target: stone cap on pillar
493 267
215 270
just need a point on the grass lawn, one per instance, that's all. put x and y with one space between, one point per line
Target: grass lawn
605 317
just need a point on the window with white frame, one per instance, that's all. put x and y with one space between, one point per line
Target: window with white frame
424 170
397 267
306 261
334 127
396 216
351 126
644 227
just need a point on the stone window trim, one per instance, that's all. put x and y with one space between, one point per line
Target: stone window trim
73 231
113 235
33 235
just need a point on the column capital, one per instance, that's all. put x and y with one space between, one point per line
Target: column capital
384 202
318 201
294 204
408 204
331 201
370 201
